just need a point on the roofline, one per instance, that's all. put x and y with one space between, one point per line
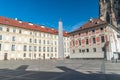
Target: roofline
85 28
33 28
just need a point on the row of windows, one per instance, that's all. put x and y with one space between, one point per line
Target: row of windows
32 33
35 55
34 48
93 40
93 30
44 41
35 40
85 50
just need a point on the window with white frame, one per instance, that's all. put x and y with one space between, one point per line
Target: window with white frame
13 48
0 47
13 38
1 28
0 37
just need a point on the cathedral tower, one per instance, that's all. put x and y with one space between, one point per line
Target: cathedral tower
110 11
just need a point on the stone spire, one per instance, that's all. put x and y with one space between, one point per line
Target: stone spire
110 11
60 41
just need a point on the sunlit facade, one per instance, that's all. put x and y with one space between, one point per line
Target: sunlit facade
21 40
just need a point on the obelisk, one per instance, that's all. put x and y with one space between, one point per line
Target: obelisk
60 41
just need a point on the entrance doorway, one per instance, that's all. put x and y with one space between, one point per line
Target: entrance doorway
6 56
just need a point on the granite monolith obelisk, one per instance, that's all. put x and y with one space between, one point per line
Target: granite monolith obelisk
60 41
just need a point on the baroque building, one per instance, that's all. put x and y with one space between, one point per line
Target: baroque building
23 40
89 41
98 38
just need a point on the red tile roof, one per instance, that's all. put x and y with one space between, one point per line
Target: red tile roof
91 23
26 25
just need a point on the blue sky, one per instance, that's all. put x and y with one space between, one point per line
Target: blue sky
48 12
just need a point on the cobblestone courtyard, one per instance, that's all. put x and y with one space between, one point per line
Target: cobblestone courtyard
59 70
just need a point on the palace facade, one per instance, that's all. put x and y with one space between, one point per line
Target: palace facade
23 40
98 38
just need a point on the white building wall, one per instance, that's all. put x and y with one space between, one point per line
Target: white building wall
23 38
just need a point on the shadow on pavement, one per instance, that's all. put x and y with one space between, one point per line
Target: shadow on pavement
23 67
69 74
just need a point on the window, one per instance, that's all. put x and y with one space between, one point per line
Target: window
73 35
47 49
35 48
73 43
94 49
44 42
86 41
20 31
30 48
30 40
83 50
79 34
94 41
24 55
40 41
0 47
35 41
93 30
7 30
65 50
51 55
14 30
39 49
51 49
86 32
47 55
103 49
48 42
35 55
87 50
13 38
101 28
30 55
25 48
44 35
55 49
73 51
39 55
79 50
43 49
55 43
13 48
30 33
102 39
40 34
79 42
1 28
0 37
35 34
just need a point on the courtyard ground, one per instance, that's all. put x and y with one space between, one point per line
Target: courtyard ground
59 70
